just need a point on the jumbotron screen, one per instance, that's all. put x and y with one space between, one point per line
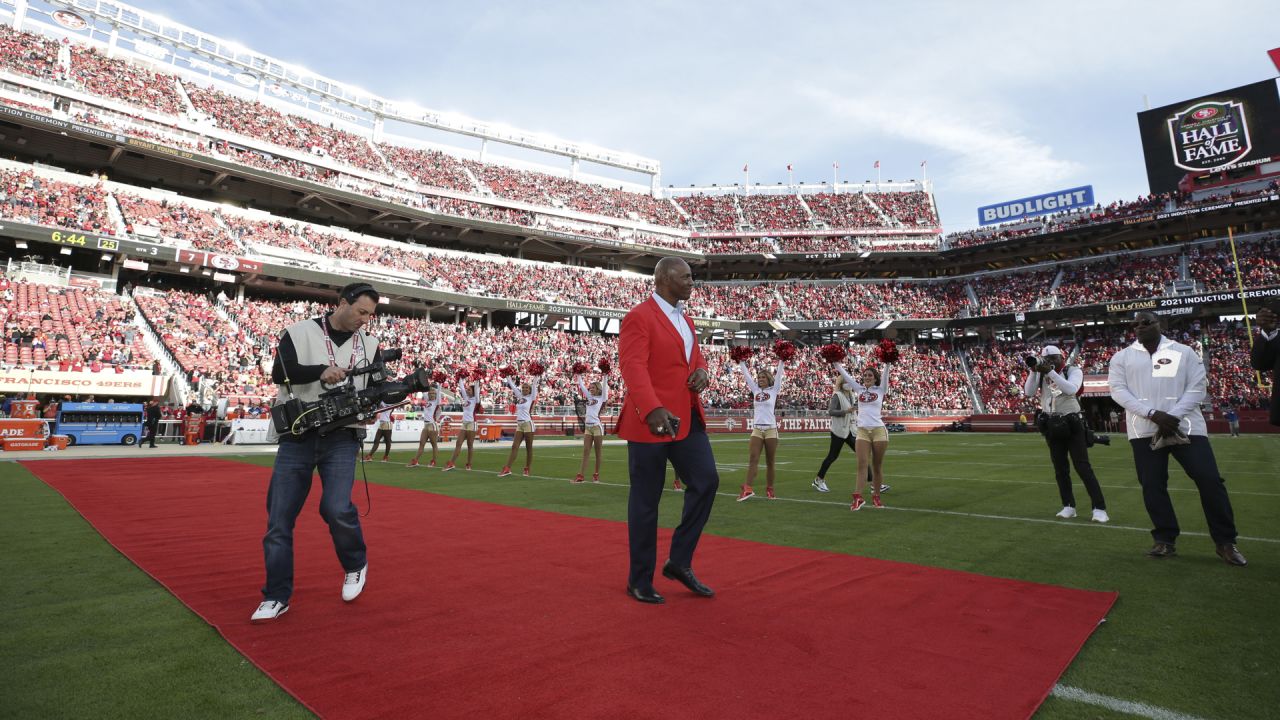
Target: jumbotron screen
1235 128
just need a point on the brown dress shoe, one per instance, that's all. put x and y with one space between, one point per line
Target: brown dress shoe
1230 555
1162 550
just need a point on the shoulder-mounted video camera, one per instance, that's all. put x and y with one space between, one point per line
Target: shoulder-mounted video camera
344 404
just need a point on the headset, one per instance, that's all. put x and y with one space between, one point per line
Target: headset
352 292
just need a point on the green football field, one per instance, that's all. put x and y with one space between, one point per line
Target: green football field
86 634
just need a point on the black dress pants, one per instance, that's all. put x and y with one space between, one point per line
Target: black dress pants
695 465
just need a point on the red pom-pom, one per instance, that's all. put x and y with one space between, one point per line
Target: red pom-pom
506 371
833 353
462 373
785 350
478 374
579 368
536 368
604 366
438 377
741 353
887 351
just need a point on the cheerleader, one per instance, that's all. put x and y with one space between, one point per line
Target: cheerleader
597 395
383 433
526 394
765 388
430 428
468 431
872 436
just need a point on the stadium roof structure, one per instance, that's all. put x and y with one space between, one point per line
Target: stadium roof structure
166 41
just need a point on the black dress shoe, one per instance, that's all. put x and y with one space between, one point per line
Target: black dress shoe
1162 550
685 577
643 595
1230 555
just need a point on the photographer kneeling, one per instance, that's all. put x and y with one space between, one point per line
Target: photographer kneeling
1063 427
311 354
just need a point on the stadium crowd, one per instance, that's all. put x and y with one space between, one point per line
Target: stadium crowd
28 197
68 329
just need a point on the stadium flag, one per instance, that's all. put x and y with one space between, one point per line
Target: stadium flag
835 176
877 165
1275 57
744 168
788 167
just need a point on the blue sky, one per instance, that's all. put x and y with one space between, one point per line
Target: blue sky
1003 100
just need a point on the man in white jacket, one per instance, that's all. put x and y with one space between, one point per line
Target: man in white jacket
1160 384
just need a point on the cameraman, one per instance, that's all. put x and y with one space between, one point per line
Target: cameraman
1063 427
312 354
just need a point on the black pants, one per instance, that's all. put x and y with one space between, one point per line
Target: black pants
833 452
1198 462
696 467
1074 446
152 430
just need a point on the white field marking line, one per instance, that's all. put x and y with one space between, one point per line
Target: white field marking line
1135 486
955 513
1117 705
733 467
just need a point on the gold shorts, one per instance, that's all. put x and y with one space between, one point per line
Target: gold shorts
873 434
430 427
595 430
766 433
524 426
468 426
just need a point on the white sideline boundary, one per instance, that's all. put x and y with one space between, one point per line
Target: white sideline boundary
1143 710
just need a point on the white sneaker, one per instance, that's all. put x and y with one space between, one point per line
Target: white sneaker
1101 516
353 583
1067 513
268 611
820 485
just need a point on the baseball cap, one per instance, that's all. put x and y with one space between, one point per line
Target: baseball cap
1050 350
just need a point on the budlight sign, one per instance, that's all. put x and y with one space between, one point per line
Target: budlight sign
1054 202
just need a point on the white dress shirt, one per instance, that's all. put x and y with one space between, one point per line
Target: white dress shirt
675 313
1173 381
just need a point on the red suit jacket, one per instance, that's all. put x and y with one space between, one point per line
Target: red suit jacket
651 354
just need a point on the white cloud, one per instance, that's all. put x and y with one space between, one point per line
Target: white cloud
982 154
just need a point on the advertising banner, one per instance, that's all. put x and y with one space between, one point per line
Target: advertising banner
1235 128
1072 199
214 260
133 382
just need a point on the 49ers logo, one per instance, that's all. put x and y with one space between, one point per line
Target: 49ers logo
762 397
868 397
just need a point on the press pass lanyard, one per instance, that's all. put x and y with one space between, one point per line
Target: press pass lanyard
356 352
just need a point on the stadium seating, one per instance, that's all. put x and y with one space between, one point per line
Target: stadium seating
207 346
29 54
69 329
124 81
175 220
28 197
774 212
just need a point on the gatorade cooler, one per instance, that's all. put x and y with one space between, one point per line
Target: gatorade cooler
58 442
192 429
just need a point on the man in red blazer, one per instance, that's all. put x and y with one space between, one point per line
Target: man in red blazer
662 421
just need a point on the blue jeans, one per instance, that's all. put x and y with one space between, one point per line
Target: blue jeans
335 457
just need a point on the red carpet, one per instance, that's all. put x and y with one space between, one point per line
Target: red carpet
480 610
